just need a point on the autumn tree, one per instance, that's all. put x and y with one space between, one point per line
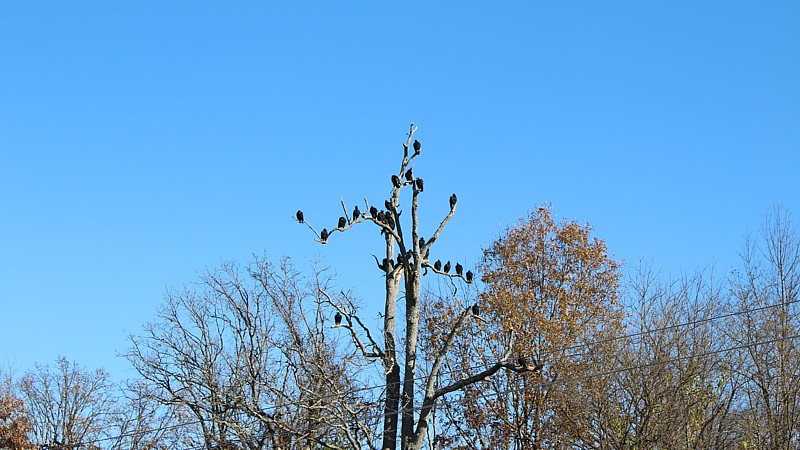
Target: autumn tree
14 422
405 259
551 290
68 406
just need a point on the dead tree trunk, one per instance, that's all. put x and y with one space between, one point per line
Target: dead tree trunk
406 256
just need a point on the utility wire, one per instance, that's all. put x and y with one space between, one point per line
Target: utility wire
556 351
575 379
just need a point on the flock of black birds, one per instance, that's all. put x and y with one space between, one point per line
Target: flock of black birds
387 218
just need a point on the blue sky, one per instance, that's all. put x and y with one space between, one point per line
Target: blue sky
142 142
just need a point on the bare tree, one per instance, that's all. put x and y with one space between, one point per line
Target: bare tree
767 287
405 259
141 422
68 406
246 356
677 380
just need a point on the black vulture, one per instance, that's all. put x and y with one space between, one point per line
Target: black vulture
420 185
409 175
373 211
386 265
476 310
417 146
469 276
356 213
459 269
300 216
390 221
337 319
323 235
437 265
421 243
396 181
453 200
381 216
388 205
342 222
447 267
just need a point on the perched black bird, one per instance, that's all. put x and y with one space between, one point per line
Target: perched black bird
421 242
437 265
400 259
373 211
396 181
300 216
476 310
342 222
447 267
356 213
522 362
409 175
337 319
453 200
381 217
417 146
323 235
390 221
459 269
469 276
388 205
386 265
420 185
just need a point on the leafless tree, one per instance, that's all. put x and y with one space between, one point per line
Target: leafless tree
247 356
140 422
767 287
676 377
405 259
68 406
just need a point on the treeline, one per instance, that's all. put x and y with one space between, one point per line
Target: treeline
251 358
543 345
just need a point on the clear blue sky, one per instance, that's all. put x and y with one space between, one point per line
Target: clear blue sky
141 142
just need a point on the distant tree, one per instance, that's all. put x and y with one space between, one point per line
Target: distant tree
244 360
677 385
14 422
68 406
141 422
549 289
410 395
767 288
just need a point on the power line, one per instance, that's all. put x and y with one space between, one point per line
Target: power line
561 350
569 380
